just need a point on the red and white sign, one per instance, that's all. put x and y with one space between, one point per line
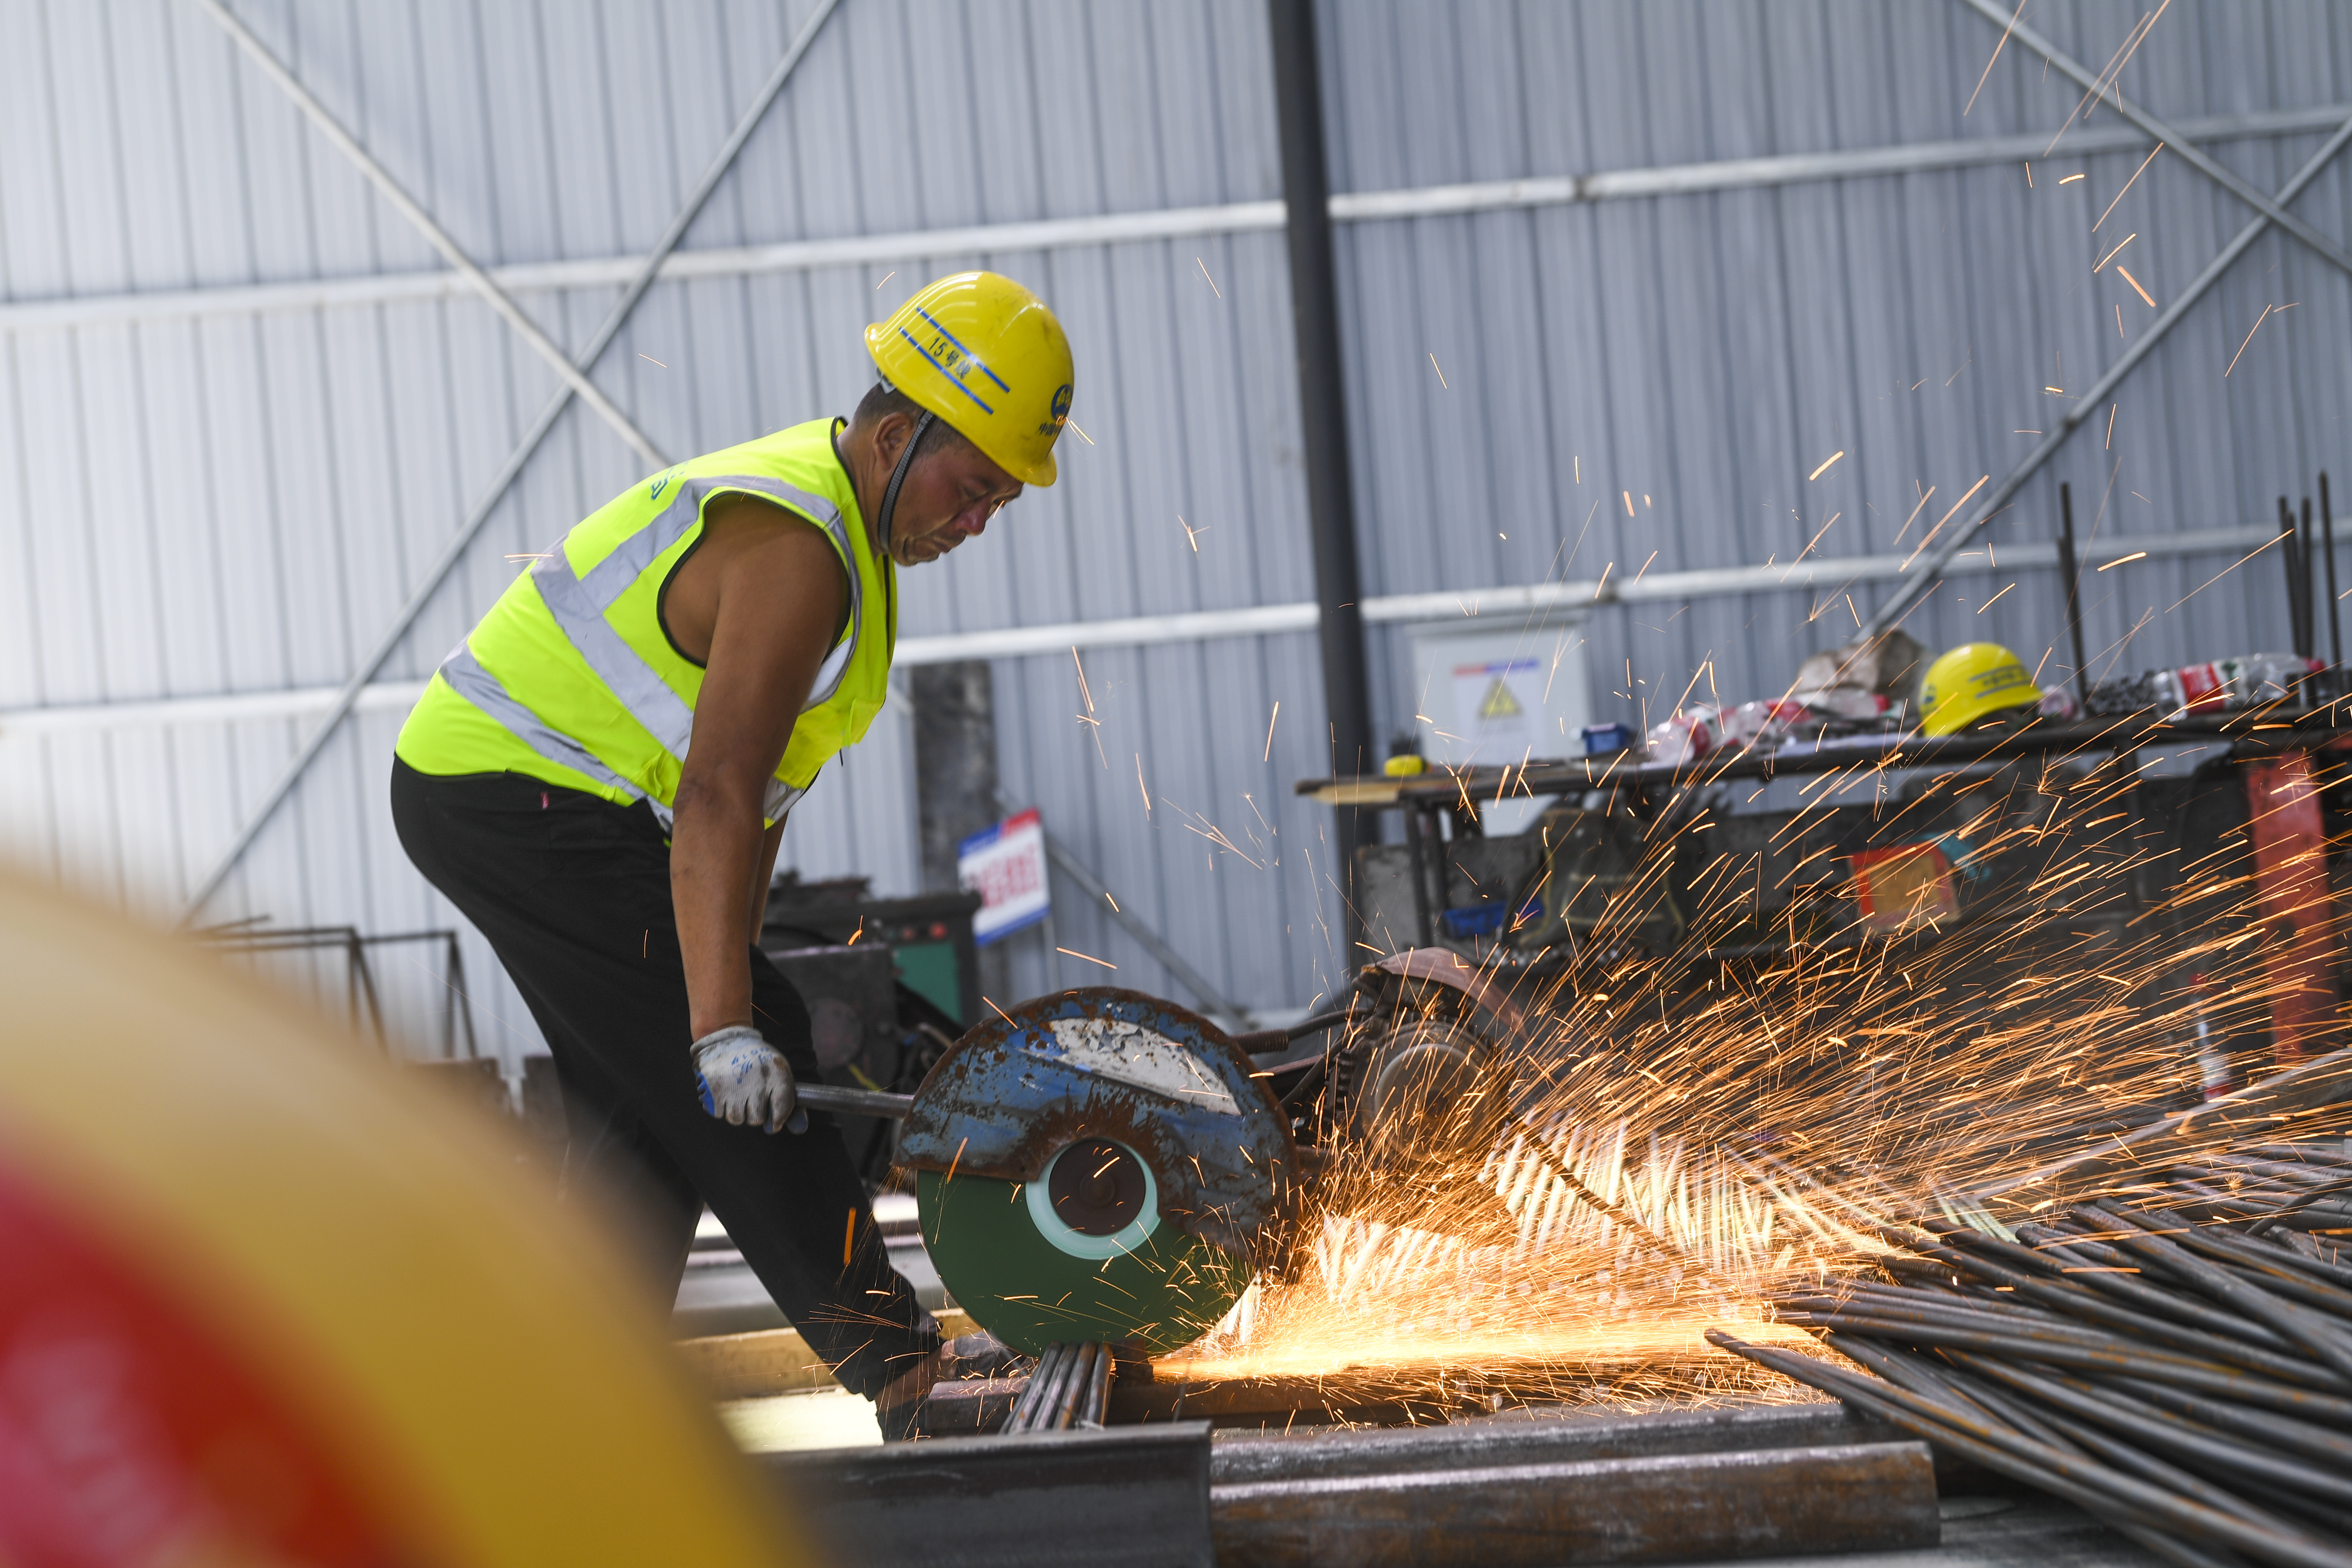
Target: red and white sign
1005 864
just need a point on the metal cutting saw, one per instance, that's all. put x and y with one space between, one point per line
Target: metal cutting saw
1100 1165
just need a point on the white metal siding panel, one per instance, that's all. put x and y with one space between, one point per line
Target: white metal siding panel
238 504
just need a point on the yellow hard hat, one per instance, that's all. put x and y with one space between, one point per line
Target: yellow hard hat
987 356
1970 681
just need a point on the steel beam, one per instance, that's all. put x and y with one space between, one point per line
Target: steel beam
1832 573
1134 1496
481 282
1906 597
1243 1457
1877 1497
1121 228
455 550
1323 422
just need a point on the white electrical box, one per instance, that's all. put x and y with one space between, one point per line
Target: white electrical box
1490 691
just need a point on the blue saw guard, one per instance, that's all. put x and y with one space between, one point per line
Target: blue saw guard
1109 1064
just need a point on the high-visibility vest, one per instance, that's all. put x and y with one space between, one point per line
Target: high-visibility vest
573 679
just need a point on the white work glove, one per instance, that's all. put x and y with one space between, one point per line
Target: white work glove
744 1080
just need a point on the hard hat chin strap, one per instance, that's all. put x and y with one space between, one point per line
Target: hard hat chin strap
898 477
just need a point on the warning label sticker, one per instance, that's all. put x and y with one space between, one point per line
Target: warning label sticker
1495 703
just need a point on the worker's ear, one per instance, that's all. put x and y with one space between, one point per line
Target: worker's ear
891 433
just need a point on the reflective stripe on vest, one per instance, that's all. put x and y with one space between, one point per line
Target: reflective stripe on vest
579 603
478 686
581 680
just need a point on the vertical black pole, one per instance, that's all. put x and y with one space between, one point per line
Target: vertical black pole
1323 418
2298 598
2335 617
2072 571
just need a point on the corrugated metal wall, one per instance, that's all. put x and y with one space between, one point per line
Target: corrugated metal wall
238 503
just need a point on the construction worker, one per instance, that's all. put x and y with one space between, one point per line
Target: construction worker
1986 815
599 775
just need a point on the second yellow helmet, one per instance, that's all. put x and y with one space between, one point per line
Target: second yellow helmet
988 356
1970 681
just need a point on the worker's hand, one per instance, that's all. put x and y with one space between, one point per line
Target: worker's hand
744 1080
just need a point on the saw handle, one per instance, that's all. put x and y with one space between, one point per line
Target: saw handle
855 1102
1266 1041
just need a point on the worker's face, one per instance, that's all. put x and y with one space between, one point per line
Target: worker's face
949 495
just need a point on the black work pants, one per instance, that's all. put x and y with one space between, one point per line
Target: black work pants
573 893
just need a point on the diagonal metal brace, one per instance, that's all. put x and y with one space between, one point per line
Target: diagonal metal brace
1916 588
402 202
2273 208
508 471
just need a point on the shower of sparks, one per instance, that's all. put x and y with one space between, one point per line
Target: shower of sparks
2109 73
1269 732
1989 603
2129 184
1826 466
2117 251
1082 435
2122 560
1988 64
2112 410
1192 534
1089 958
1441 374
651 360
1205 277
2250 337
886 278
1914 513
2070 179
2127 277
1683 1137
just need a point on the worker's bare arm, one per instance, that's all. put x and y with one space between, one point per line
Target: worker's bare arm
763 874
761 601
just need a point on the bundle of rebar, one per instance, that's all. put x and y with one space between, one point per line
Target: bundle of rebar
2180 1366
1068 1389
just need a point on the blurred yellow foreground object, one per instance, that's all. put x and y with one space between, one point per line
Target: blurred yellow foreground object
264 1299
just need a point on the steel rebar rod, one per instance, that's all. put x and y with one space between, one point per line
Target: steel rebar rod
2081 1302
2112 1449
2262 1426
2039 1464
1922 1376
1074 1387
1097 1404
2309 1328
2204 1378
2182 1435
1034 1391
2018 1416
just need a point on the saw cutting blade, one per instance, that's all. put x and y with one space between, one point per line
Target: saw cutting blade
1097 1165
